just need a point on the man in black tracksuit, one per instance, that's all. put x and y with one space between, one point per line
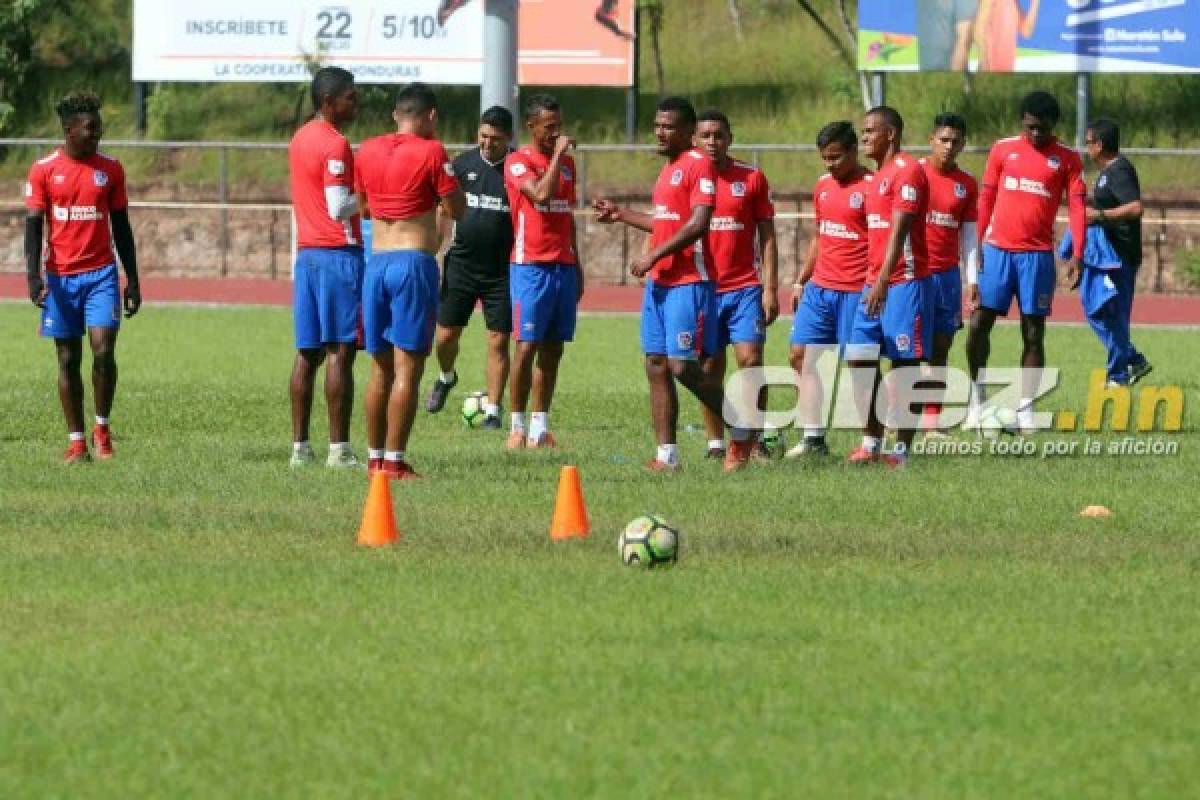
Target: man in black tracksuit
476 266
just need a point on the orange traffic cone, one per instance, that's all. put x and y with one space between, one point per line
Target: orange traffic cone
570 513
379 522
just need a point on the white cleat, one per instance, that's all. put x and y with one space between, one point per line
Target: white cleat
302 457
343 459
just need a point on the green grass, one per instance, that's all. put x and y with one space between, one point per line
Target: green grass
193 619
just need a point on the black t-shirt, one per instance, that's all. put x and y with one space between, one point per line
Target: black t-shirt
483 238
1116 185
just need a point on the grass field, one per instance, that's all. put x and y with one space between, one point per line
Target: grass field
193 619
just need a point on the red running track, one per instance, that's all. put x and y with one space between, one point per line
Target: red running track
1159 309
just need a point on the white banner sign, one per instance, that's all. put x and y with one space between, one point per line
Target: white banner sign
380 41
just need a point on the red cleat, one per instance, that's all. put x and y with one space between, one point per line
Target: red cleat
544 442
894 462
374 465
738 455
661 466
399 471
862 456
77 453
102 439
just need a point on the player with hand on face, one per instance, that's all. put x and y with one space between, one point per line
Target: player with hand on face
77 210
1023 186
828 288
950 238
679 306
747 301
476 266
402 178
546 276
327 288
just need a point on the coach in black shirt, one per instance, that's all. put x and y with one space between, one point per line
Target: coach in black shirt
1117 206
476 266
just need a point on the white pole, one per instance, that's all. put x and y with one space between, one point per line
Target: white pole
1083 97
499 56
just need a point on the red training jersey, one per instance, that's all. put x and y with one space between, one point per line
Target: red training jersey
1023 188
900 185
542 232
743 201
77 198
402 175
953 200
319 157
841 217
688 181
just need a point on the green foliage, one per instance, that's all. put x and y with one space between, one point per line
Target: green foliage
18 33
1188 262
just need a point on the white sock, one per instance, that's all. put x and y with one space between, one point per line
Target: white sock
393 455
1025 413
977 397
518 422
668 454
339 447
539 424
491 409
448 377
102 421
814 432
716 444
375 455
870 444
298 446
75 436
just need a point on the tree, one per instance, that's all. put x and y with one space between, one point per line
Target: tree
845 47
652 11
18 34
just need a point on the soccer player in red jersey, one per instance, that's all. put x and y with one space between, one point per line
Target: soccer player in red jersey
545 279
747 301
1023 186
327 282
896 312
828 288
402 178
950 237
679 305
72 198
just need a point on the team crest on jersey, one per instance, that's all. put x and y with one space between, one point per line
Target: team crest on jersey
60 178
565 172
857 200
1013 156
1100 184
677 177
883 186
960 191
707 186
337 167
737 189
908 193
1053 163
902 341
100 178
684 339
517 170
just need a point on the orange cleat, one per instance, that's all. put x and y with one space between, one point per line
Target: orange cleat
102 439
77 453
738 455
661 466
544 442
399 471
374 465
862 456
515 441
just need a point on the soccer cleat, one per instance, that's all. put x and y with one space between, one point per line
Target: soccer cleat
716 452
77 453
661 466
374 465
862 456
738 455
515 441
399 471
893 461
102 439
1139 370
808 447
342 459
439 393
302 457
972 422
544 442
760 452
491 423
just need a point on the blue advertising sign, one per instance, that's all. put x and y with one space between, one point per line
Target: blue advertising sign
1029 35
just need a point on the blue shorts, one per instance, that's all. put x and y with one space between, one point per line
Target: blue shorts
677 321
327 296
400 298
902 332
1096 288
825 316
545 298
947 301
1030 276
740 317
76 302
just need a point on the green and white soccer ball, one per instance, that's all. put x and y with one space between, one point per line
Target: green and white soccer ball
995 420
473 409
648 541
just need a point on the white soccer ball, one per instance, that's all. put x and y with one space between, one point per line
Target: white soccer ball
649 541
996 420
474 409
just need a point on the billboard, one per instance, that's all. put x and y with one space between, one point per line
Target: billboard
562 42
1029 35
